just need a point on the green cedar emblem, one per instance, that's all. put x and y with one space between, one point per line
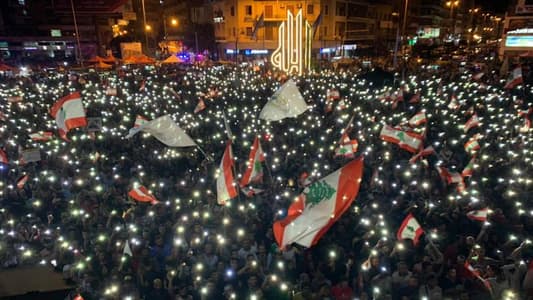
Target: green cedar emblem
401 136
317 192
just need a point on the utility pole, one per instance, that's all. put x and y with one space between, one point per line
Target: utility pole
145 28
78 53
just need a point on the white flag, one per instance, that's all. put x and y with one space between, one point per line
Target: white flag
166 131
287 102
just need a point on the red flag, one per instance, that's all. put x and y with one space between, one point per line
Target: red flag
22 181
142 194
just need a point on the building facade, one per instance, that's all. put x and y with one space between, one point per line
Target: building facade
44 29
345 25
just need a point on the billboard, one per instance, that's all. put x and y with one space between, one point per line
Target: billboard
429 32
130 49
519 41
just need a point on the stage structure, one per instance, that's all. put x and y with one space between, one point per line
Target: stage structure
295 38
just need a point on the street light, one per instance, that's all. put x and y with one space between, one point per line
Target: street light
174 22
148 28
452 5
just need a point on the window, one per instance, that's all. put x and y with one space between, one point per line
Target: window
341 9
248 10
269 33
269 11
310 9
325 31
326 10
232 11
249 31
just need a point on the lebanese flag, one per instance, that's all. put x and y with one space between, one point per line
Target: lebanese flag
22 181
515 78
410 229
142 86
200 106
471 146
455 177
250 191
347 147
471 123
254 169
139 121
469 169
415 98
342 105
111 91
418 119
478 215
41 136
332 94
142 194
225 183
475 273
423 153
319 206
3 157
69 113
453 103
409 141
396 98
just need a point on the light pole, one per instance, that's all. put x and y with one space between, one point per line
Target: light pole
452 4
78 53
146 26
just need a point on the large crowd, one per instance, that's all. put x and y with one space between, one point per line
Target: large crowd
74 213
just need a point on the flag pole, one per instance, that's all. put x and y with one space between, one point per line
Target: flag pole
209 158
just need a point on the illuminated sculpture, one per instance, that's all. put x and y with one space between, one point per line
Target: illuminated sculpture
293 54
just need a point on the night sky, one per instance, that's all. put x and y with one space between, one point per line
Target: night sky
496 6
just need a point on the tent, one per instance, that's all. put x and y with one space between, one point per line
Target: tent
95 59
173 59
138 59
102 65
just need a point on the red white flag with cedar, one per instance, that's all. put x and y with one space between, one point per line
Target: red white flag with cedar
453 103
409 141
471 123
200 106
410 229
475 273
22 181
319 206
480 215
69 113
425 152
254 169
142 194
469 169
139 121
418 119
41 136
415 98
515 78
226 189
347 147
471 146
332 94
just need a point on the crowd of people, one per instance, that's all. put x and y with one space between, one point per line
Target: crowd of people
74 214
